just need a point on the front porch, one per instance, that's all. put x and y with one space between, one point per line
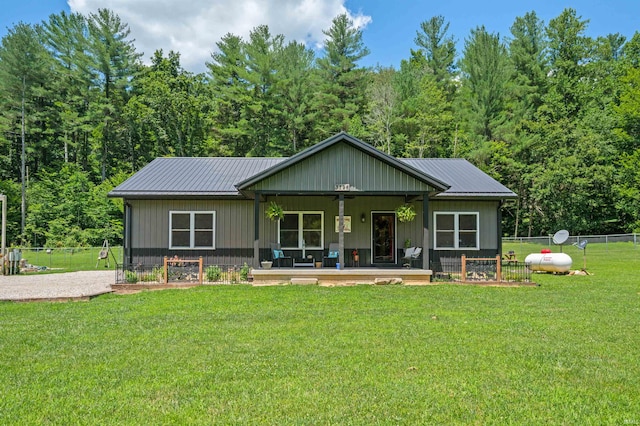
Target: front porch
337 277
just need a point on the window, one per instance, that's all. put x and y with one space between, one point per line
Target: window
302 228
456 230
191 230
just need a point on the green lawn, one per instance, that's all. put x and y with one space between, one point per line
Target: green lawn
565 352
68 260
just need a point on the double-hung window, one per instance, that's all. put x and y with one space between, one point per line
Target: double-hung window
192 230
455 230
302 229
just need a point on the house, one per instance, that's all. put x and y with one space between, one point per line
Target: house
341 190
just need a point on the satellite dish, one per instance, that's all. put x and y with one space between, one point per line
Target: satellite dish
561 237
582 244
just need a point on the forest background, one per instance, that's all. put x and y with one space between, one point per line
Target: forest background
548 111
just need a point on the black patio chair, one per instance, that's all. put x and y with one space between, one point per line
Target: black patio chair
332 255
278 255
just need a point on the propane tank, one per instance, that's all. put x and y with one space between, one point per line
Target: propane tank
549 262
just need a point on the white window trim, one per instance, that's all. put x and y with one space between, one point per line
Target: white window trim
456 224
300 230
192 222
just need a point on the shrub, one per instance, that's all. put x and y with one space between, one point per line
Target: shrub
156 274
131 277
213 273
244 272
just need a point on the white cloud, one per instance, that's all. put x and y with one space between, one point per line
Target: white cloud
194 27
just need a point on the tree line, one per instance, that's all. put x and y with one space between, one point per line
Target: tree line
548 111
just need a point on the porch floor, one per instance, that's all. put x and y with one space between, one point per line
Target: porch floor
347 276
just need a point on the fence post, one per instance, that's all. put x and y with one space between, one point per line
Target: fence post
166 271
463 262
200 270
498 268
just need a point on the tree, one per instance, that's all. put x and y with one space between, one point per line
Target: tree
167 113
439 51
295 89
230 94
65 36
527 54
23 69
433 121
342 94
568 52
114 62
68 210
263 117
486 72
383 108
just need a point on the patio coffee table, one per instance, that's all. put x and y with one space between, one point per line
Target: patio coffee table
303 262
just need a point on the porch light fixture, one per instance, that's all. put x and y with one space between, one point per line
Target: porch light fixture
363 218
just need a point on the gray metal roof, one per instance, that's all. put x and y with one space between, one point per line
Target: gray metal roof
186 176
217 176
466 180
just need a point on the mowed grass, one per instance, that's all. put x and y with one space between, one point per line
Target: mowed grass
69 260
565 352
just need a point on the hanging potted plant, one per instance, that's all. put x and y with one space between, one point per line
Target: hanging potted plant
274 212
406 213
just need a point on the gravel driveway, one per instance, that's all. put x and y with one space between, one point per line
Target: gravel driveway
70 285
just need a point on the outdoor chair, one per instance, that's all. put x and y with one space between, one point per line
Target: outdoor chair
411 255
278 255
332 255
511 256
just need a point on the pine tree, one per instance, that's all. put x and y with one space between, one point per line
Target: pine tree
342 95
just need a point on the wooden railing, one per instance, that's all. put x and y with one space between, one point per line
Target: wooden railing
497 260
182 262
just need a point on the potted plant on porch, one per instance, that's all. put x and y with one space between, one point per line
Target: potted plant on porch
275 212
406 213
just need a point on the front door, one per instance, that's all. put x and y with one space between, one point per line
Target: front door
383 237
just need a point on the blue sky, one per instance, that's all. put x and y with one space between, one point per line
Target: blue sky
389 27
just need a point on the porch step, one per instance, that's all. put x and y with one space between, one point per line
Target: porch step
387 280
304 281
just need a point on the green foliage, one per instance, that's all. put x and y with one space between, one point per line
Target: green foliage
131 277
405 213
156 275
68 210
550 112
275 212
343 84
213 273
244 272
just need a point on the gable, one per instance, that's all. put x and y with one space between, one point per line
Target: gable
340 162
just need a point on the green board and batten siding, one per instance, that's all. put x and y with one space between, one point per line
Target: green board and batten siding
341 164
234 223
